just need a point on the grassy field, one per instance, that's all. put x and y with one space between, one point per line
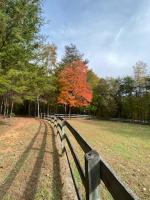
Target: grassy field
125 147
31 167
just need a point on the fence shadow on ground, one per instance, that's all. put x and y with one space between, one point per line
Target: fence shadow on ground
4 187
31 186
57 181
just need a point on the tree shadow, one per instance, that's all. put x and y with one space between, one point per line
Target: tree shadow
57 181
4 187
31 186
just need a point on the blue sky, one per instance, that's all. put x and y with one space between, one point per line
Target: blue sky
112 34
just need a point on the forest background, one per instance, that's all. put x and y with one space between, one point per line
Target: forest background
32 81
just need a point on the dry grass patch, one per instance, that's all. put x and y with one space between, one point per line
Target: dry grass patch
31 167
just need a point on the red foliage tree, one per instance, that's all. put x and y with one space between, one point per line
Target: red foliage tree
74 89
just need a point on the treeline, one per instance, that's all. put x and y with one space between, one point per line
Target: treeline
29 72
25 61
32 81
127 97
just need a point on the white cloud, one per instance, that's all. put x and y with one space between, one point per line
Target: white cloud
113 35
119 33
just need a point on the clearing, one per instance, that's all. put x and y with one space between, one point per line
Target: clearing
31 167
125 147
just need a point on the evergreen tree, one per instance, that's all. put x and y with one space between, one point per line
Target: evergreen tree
71 54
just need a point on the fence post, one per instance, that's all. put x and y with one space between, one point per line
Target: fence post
55 125
92 174
63 137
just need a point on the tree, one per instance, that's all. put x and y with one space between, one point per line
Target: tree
71 54
74 89
140 75
140 70
128 90
18 36
20 22
92 79
103 100
49 56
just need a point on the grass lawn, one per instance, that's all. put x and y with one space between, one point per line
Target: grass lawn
125 147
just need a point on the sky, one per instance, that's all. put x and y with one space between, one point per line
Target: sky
112 34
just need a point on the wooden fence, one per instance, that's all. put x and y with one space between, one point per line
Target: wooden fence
95 169
132 121
67 116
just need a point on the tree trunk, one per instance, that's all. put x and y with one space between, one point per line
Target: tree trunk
1 109
56 109
38 107
35 109
70 112
12 106
47 109
5 107
29 109
65 109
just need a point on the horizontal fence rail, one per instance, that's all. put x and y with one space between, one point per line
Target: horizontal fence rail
70 116
132 121
95 170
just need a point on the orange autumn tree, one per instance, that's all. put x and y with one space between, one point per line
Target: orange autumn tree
74 89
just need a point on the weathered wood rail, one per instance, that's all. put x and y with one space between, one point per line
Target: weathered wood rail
95 169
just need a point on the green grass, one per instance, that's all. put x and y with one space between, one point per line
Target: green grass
126 148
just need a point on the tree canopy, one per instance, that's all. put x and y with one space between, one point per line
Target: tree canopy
74 88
